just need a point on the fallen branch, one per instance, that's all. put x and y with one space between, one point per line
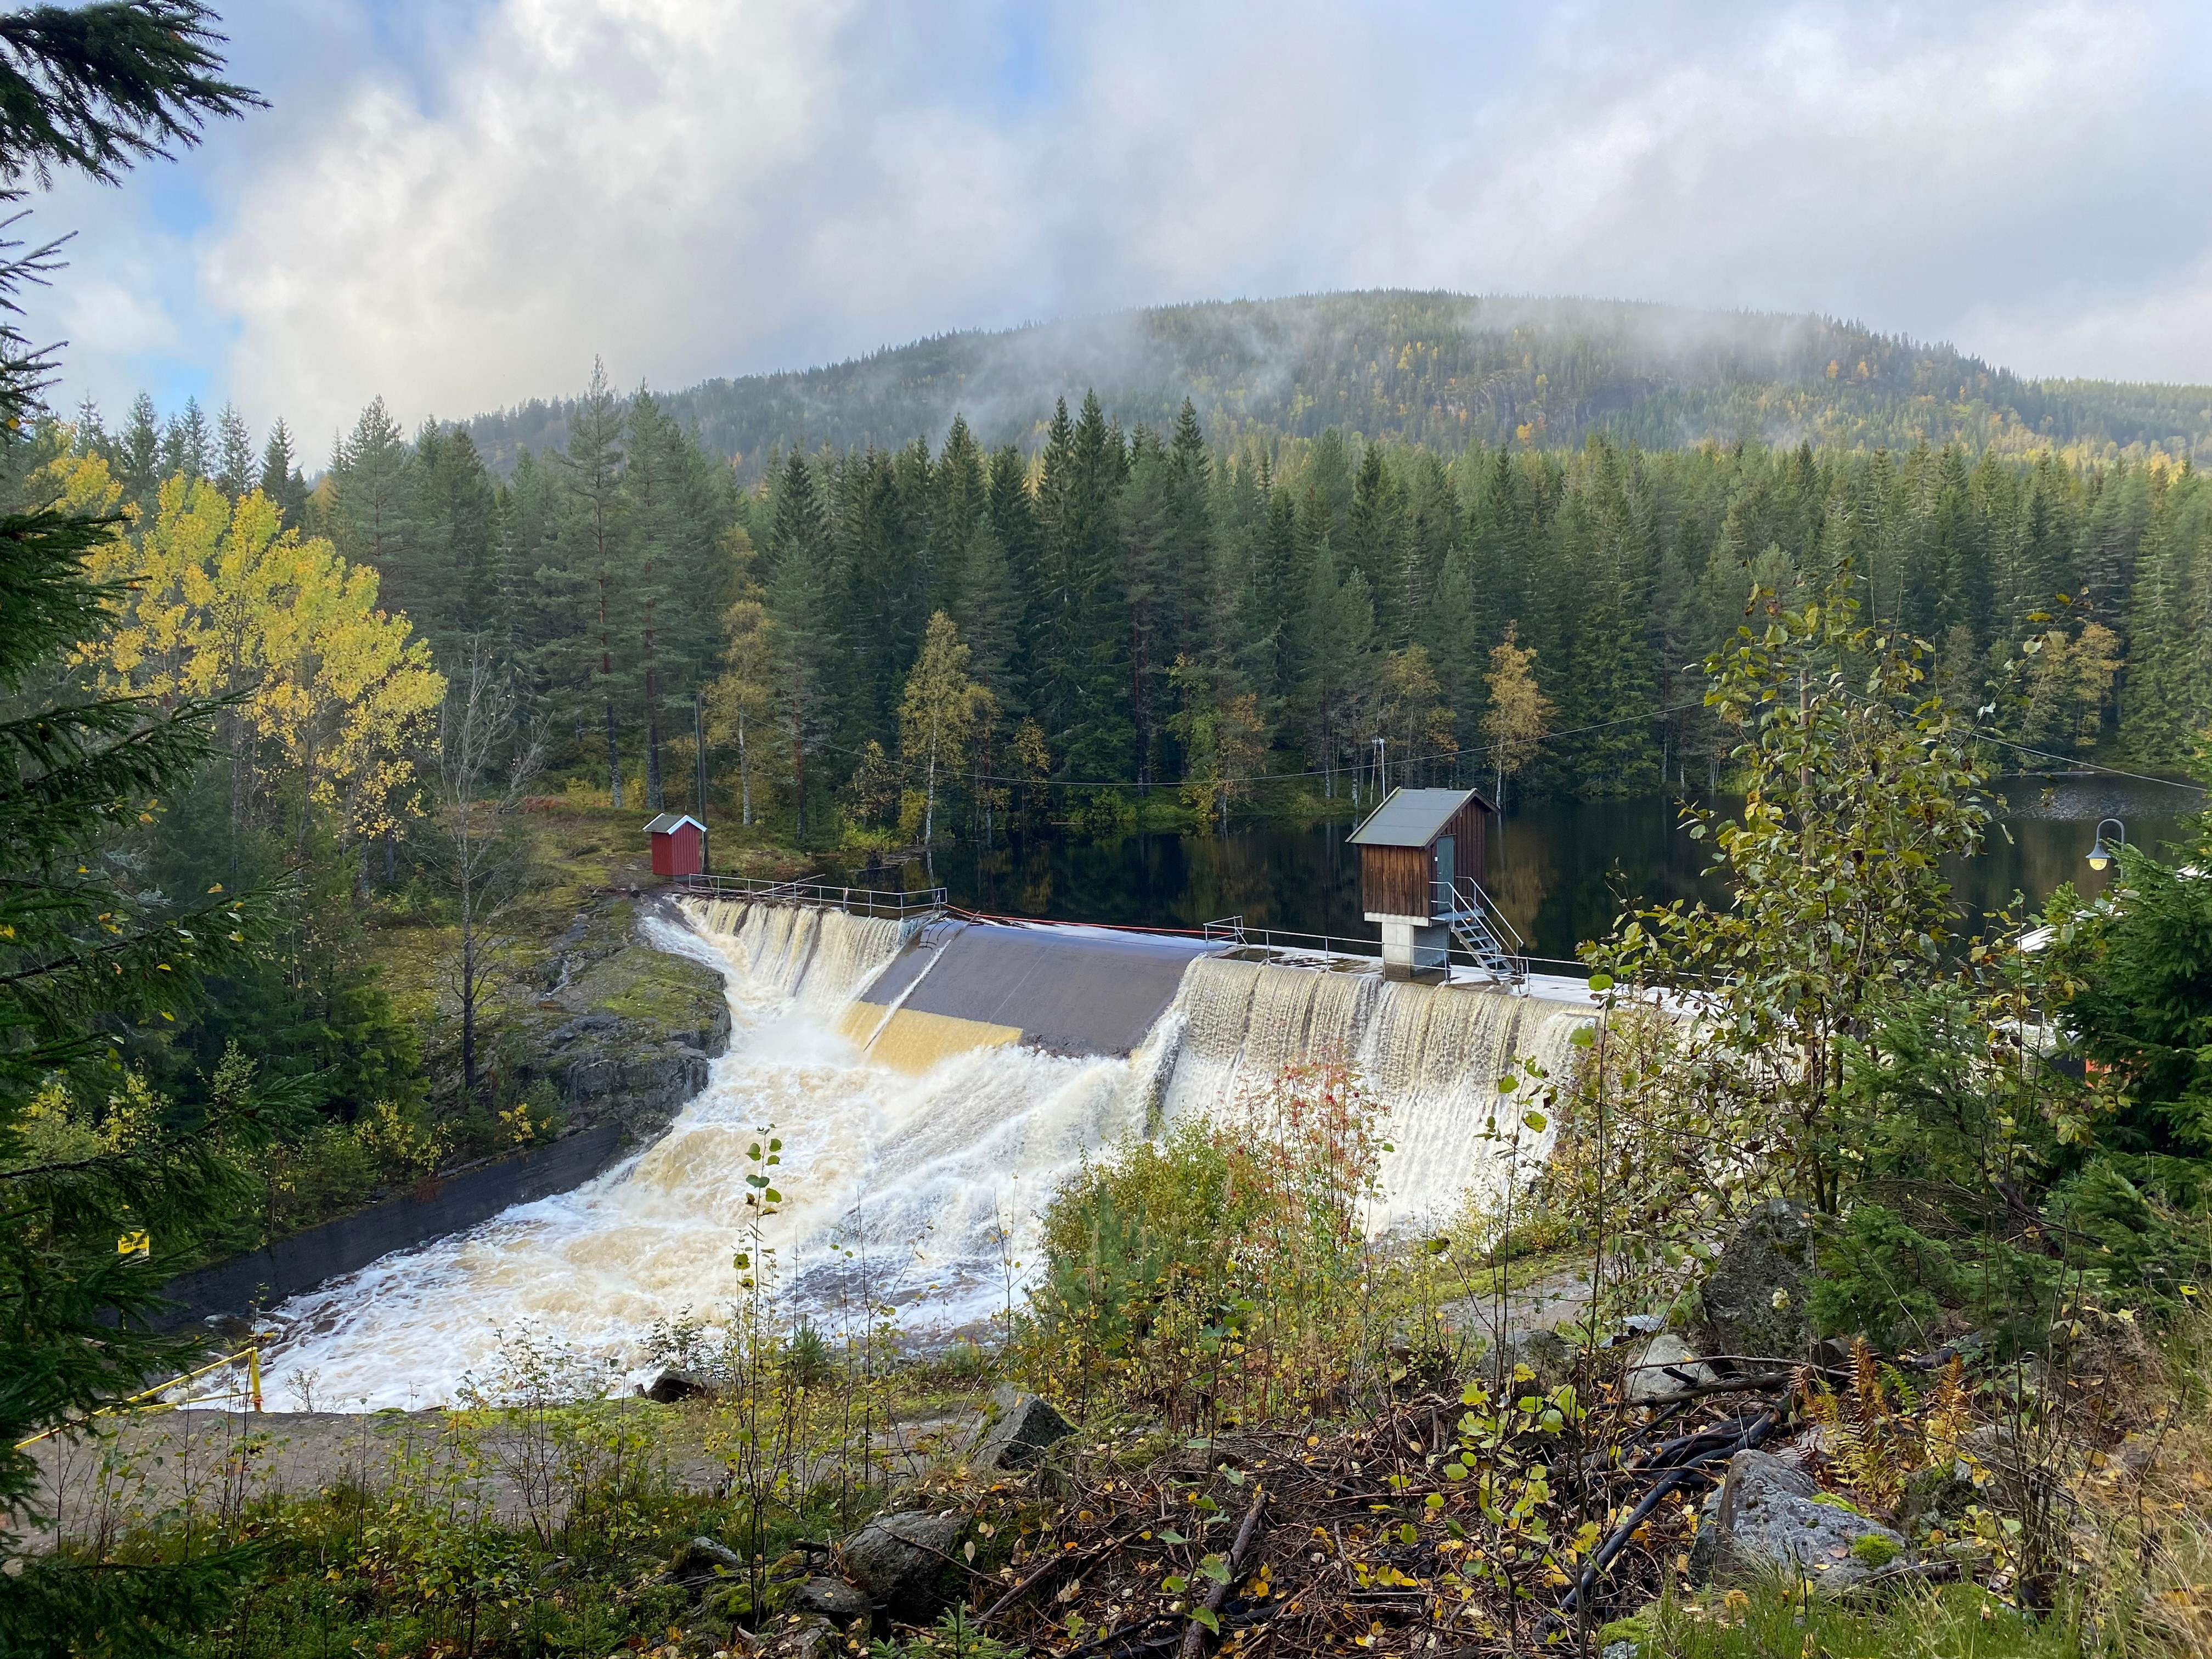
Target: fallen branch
1193 1639
1736 1385
1052 1565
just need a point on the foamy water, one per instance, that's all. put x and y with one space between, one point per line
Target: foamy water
922 1192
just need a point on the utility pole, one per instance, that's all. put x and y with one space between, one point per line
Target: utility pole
699 753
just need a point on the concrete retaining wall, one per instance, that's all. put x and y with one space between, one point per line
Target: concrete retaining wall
435 1206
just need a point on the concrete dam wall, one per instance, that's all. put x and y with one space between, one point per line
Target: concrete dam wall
932 1085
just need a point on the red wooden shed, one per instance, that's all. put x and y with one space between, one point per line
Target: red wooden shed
679 844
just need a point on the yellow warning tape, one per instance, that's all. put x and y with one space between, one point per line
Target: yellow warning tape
251 1356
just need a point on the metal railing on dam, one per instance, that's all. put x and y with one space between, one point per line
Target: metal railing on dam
857 901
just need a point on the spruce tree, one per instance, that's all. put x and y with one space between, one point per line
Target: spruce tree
83 964
372 477
593 551
805 637
281 480
187 445
234 453
138 456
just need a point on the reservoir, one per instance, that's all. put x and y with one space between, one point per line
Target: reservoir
1559 868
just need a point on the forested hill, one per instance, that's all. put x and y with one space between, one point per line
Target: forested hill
1439 370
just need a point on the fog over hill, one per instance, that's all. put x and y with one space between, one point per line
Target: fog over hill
1439 369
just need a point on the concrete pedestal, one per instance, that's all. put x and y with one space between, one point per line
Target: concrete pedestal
1413 948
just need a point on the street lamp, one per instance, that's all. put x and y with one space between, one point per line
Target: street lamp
2100 855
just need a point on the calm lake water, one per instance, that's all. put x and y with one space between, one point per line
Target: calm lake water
1560 869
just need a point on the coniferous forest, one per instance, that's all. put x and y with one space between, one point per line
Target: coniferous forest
1149 616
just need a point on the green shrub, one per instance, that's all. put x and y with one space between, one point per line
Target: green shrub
1218 1273
1883 1279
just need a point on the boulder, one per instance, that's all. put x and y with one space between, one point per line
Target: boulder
1019 1430
672 1383
1754 1297
1662 1365
1770 1514
698 1559
906 1562
833 1599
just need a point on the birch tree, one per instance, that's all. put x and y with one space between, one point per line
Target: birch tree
1519 717
938 715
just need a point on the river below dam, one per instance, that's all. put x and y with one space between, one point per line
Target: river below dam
918 1192
1556 867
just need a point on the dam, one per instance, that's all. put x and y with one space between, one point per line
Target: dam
933 1080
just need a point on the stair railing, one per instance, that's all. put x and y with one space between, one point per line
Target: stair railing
1481 929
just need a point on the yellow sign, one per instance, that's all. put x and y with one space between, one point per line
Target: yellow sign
134 1244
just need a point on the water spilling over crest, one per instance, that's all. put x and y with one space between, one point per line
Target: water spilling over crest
922 1191
1433 1055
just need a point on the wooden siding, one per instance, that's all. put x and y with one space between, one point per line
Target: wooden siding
1393 881
1470 830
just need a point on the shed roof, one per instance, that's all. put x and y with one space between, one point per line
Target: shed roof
668 823
1413 818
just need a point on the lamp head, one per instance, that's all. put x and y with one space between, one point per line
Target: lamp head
2100 855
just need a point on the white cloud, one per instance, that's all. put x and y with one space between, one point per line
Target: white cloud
458 209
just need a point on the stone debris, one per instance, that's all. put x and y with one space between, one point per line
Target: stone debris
1018 1432
1770 1513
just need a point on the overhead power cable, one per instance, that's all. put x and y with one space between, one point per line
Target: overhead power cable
1311 772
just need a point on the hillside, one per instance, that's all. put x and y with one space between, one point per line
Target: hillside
1436 369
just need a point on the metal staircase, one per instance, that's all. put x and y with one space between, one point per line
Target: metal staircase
1481 930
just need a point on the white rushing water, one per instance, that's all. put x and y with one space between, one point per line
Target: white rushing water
1431 1055
921 1190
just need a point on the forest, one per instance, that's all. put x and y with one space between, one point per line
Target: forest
1147 622
1436 370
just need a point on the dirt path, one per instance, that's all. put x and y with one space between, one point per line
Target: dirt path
184 1468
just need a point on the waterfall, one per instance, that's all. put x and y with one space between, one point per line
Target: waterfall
918 1190
1431 1053
822 958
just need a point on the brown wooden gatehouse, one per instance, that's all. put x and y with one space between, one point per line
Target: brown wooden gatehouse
1424 855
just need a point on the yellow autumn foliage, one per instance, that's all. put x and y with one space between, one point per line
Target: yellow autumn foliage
223 601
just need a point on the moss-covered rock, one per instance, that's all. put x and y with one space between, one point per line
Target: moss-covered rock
623 1030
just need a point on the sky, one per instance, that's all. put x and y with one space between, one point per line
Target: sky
458 205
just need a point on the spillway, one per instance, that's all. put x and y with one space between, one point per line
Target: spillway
931 1085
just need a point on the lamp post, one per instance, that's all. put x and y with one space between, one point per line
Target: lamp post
2100 855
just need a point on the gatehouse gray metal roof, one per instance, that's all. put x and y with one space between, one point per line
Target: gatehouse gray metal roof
668 823
1412 817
